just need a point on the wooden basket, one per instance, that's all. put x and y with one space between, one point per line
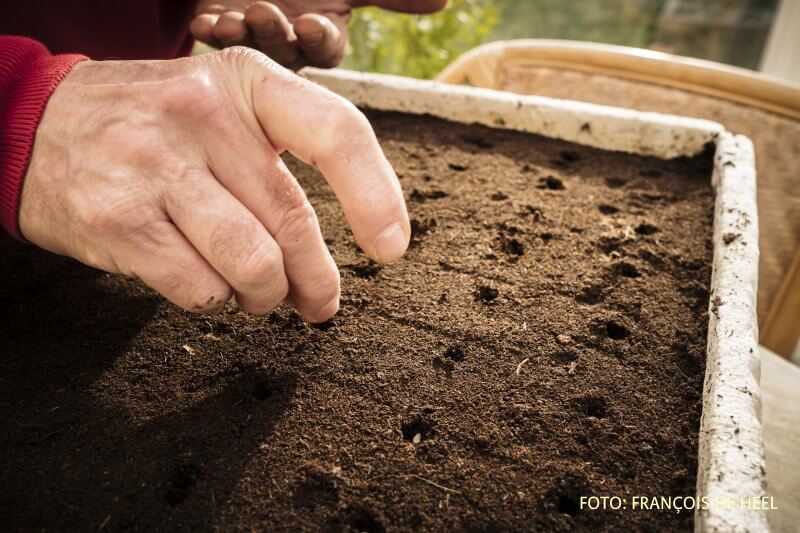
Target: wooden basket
761 107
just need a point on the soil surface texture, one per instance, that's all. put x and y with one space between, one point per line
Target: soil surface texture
543 340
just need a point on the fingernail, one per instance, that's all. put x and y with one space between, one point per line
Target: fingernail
327 311
312 39
391 244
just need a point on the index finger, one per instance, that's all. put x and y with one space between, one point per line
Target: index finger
325 130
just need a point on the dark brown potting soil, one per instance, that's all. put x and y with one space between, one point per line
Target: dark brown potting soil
543 340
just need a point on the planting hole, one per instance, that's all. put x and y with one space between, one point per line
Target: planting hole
615 183
627 270
367 270
416 430
445 365
646 229
565 357
534 213
615 330
607 209
609 244
457 167
420 228
455 353
512 246
499 196
551 183
421 196
486 294
365 520
591 294
593 406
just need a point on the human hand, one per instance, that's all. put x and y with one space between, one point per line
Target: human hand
169 171
295 33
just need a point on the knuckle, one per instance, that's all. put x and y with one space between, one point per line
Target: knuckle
105 220
124 216
243 59
236 246
197 95
296 222
236 53
207 297
193 290
344 118
254 266
342 128
99 220
145 148
151 235
262 266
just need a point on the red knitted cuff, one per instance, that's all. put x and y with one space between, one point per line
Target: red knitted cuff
28 76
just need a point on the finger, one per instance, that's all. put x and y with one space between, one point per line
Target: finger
273 33
163 259
231 29
217 9
202 28
320 40
248 166
324 129
405 6
231 239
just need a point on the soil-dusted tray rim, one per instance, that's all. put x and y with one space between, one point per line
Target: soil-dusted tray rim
731 450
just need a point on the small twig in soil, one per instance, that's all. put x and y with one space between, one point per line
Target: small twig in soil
429 482
519 366
104 523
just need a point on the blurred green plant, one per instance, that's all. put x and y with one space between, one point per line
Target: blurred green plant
419 46
626 22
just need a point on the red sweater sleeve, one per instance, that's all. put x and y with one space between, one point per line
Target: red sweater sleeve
28 76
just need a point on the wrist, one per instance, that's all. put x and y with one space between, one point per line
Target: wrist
39 74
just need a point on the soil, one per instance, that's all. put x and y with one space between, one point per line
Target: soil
543 340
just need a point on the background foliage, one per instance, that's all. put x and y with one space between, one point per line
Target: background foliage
730 31
418 46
